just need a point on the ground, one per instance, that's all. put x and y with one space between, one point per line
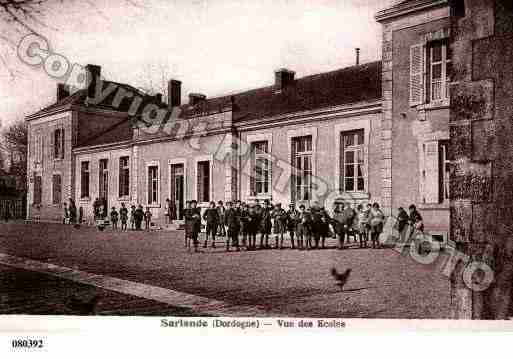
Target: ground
288 283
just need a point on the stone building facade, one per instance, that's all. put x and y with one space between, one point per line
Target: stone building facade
357 133
481 150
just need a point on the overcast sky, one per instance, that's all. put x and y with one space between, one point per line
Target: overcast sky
213 46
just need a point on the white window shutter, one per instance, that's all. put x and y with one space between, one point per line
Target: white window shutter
431 169
416 74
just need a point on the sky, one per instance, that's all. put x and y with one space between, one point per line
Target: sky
214 47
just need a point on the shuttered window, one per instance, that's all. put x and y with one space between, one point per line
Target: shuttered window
203 181
84 179
38 189
124 176
430 172
444 168
56 189
416 74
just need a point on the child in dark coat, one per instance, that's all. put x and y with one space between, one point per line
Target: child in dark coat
211 216
114 218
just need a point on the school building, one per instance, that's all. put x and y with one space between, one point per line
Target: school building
373 132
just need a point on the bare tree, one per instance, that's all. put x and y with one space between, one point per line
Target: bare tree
15 143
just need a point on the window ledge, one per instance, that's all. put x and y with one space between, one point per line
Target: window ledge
153 205
436 105
125 199
85 199
433 206
354 196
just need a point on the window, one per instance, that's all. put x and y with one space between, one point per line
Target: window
124 177
444 168
58 143
153 184
84 179
435 172
458 8
38 148
439 69
56 189
352 173
430 72
38 189
302 165
203 184
103 177
261 168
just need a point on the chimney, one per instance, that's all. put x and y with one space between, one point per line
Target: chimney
195 98
62 91
174 93
93 73
357 56
283 78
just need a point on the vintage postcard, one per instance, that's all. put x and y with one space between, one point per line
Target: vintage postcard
255 165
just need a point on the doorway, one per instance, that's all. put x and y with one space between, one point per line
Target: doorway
177 189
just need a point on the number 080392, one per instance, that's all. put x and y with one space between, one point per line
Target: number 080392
27 343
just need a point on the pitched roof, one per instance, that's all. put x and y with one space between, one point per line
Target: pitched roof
344 86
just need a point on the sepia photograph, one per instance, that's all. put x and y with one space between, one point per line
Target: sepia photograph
256 164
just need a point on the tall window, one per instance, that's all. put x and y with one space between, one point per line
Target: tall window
124 177
260 179
56 189
38 148
58 143
352 174
302 164
203 184
439 60
103 174
443 172
84 179
153 185
38 189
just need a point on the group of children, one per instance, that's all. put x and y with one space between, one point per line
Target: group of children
307 228
137 217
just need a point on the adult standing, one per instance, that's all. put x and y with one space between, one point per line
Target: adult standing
138 217
265 224
194 221
72 211
233 224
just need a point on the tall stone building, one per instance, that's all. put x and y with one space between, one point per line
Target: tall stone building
481 148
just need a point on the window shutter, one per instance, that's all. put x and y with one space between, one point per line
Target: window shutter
252 178
341 163
430 174
52 143
416 74
199 183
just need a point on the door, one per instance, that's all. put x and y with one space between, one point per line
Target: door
178 189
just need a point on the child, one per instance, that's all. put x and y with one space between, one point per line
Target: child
114 218
292 218
244 224
325 227
187 219
376 221
147 218
233 224
123 215
303 232
279 217
221 230
265 224
211 216
194 216
361 224
132 217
